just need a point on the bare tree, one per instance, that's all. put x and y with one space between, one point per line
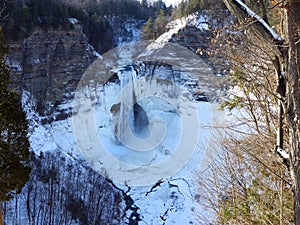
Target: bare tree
246 184
284 52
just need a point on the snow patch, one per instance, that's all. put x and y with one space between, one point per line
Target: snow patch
174 28
15 65
89 48
73 21
199 21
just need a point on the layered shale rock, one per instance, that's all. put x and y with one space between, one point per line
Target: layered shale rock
195 39
49 64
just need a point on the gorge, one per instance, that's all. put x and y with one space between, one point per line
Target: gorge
73 95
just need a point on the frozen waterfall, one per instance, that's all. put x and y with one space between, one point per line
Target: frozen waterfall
141 90
139 121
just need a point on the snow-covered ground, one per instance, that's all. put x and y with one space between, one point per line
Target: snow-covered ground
167 201
165 193
198 21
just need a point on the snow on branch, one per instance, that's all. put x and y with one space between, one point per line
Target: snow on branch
283 154
259 19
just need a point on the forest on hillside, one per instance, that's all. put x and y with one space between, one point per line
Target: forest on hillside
21 17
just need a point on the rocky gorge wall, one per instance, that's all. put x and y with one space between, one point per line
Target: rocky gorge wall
49 64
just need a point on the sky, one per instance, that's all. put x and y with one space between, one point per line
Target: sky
173 2
168 2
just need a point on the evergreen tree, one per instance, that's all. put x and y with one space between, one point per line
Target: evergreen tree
186 8
160 23
14 144
148 30
153 29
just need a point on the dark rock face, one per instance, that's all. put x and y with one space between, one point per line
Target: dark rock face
49 64
197 40
140 120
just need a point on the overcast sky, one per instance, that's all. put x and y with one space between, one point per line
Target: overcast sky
168 2
173 2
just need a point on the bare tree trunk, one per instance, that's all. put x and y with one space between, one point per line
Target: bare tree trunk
293 99
296 175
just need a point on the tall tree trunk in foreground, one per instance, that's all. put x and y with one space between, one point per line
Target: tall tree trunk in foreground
293 95
286 53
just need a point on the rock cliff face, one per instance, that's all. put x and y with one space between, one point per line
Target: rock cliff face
49 64
197 36
197 40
